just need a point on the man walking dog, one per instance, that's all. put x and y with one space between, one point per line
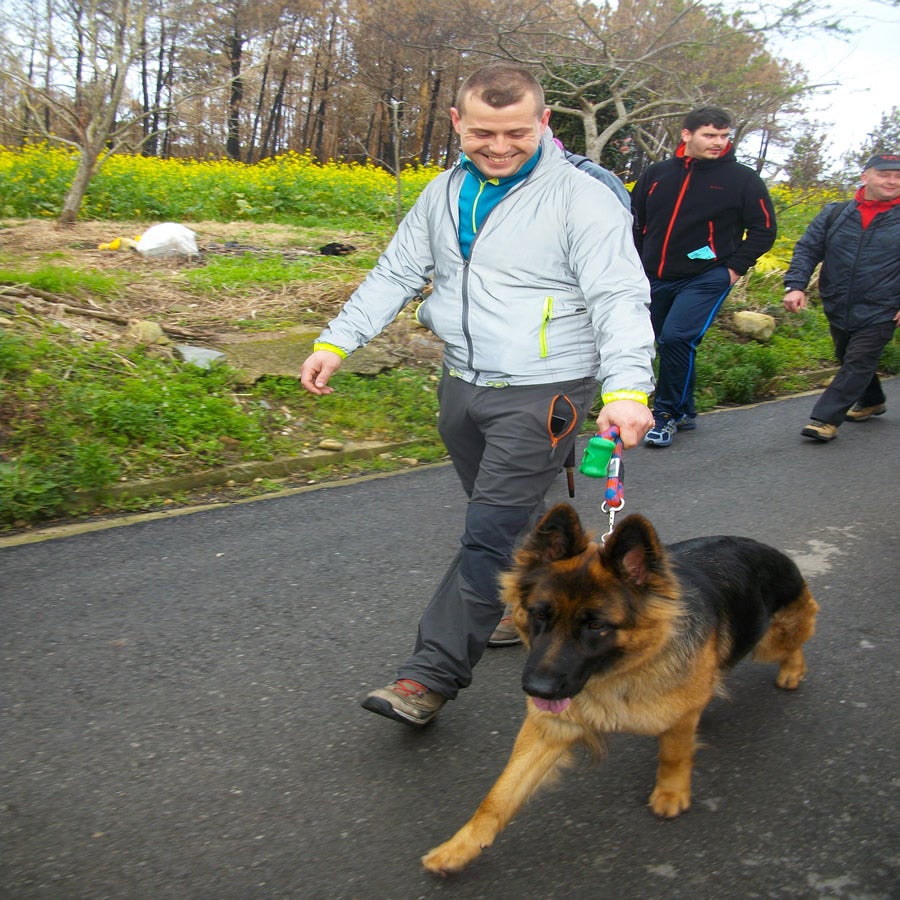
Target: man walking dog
538 295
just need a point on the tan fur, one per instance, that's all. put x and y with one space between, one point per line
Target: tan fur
790 628
658 688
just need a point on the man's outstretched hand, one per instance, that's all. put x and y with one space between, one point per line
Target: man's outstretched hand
318 369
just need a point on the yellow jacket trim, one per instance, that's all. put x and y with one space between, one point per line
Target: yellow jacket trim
322 345
612 396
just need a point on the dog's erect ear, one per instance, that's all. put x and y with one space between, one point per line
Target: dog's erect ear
558 535
634 548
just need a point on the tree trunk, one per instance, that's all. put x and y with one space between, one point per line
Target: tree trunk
306 131
233 141
87 164
763 150
592 146
260 100
434 94
145 99
268 144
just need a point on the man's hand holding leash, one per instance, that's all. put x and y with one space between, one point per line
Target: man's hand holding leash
632 418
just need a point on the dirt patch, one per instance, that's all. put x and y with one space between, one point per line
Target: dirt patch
157 290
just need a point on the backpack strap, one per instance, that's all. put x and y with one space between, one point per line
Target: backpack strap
837 214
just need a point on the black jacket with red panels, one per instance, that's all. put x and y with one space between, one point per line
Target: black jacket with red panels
693 214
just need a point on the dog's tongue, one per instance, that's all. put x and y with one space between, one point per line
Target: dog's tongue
551 706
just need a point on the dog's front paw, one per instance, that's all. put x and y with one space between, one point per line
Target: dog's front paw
667 804
451 856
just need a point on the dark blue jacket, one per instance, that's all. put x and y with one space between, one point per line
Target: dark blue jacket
860 278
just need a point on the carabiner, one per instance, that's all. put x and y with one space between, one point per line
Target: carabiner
606 507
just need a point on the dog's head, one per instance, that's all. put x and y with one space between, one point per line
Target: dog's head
586 610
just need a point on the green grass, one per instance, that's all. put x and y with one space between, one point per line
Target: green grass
247 272
734 370
63 280
80 417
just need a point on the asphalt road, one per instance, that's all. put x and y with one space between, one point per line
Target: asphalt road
180 698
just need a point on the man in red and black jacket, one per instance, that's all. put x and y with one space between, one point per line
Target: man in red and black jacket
701 220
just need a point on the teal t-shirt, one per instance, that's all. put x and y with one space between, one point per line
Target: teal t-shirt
479 195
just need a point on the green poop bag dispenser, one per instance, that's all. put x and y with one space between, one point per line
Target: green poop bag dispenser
597 454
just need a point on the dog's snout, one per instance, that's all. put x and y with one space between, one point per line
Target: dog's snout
547 686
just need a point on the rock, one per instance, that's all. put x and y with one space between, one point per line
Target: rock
758 326
331 444
264 354
143 332
278 353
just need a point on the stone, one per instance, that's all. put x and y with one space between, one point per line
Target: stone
283 352
758 326
143 332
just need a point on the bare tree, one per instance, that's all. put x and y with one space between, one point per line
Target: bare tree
372 79
639 62
90 48
805 166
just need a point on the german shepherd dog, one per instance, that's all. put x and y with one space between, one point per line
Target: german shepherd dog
632 637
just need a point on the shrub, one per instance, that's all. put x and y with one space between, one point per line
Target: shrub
291 188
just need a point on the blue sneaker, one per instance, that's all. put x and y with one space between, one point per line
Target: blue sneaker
660 435
685 422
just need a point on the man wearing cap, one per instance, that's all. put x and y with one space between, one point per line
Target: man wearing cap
858 244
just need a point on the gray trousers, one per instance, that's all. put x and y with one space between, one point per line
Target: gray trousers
507 445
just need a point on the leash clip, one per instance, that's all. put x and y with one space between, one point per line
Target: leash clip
614 495
613 511
603 459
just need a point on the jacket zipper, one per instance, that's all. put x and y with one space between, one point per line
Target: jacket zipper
545 321
465 284
481 185
465 309
665 246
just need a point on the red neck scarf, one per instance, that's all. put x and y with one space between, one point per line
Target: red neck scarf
868 209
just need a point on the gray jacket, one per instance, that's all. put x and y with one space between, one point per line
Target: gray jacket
604 176
553 289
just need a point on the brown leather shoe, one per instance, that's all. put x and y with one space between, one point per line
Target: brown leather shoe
406 701
821 431
859 413
505 634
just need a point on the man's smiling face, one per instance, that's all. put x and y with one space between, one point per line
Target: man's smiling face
499 141
881 184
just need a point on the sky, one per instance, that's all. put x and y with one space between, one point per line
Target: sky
866 67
